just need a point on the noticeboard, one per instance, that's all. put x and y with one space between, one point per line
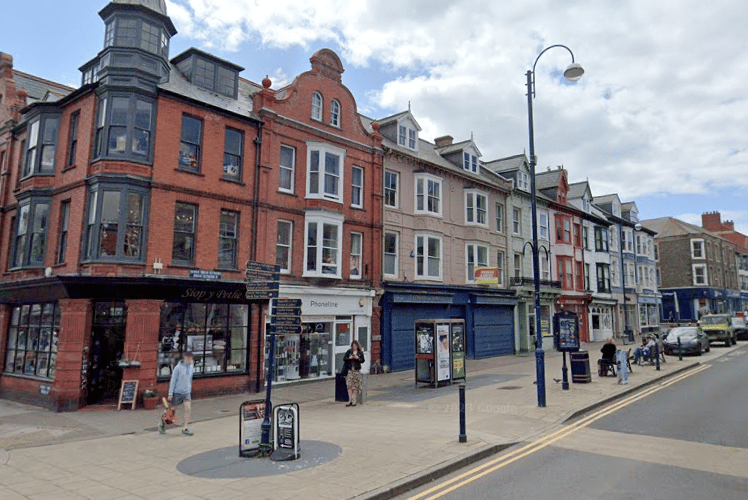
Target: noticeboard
458 350
128 394
286 428
566 330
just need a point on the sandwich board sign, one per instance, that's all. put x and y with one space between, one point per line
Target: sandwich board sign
286 432
251 415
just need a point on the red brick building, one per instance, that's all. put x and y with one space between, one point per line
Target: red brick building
130 205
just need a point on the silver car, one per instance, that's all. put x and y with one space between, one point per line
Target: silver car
692 341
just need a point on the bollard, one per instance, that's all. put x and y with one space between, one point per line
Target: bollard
463 435
680 351
657 355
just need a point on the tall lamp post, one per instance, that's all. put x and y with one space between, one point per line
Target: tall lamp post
572 73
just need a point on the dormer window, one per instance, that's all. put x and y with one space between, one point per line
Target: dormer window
206 71
406 137
317 106
586 205
523 181
335 113
470 162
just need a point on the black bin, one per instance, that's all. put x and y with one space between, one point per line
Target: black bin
580 367
341 389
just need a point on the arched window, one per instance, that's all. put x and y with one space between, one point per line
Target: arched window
335 113
317 106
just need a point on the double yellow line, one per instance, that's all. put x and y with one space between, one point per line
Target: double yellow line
492 466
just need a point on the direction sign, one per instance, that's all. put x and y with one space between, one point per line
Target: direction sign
283 329
261 266
263 285
283 311
261 294
287 302
285 320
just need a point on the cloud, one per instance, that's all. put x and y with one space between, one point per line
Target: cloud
661 108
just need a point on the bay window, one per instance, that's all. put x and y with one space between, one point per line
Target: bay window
428 257
124 127
32 226
41 146
325 172
117 215
323 248
428 194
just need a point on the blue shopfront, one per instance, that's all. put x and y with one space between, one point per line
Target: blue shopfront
488 315
689 304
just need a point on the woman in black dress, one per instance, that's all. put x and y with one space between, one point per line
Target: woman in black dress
352 368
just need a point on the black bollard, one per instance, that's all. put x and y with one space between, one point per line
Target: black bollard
657 355
463 435
680 351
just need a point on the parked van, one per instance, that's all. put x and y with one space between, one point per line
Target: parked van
718 327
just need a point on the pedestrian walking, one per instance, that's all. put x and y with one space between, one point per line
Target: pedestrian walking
180 391
352 368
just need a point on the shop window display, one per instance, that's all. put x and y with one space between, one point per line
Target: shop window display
32 340
303 356
215 333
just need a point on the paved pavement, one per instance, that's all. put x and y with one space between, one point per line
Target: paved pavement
686 439
398 436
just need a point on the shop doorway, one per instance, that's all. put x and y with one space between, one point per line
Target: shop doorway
106 350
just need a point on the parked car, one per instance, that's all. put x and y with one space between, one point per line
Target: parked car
741 328
693 340
718 327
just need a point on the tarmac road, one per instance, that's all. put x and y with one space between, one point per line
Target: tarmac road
686 438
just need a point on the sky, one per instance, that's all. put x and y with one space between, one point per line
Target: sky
659 117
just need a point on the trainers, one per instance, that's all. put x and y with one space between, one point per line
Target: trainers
161 428
188 432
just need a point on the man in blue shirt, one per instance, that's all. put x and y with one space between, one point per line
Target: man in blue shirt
180 391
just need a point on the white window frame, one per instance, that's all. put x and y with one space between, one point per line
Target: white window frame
472 211
700 241
407 137
426 237
517 221
397 188
501 266
542 227
545 267
476 263
469 162
614 272
335 109
694 267
292 168
324 149
318 111
499 218
287 268
360 187
426 178
396 255
360 255
523 181
321 219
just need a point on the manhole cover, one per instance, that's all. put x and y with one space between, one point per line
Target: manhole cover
509 388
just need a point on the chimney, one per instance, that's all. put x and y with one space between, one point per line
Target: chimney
445 140
711 221
729 225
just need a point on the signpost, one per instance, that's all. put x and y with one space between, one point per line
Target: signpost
286 432
251 414
262 280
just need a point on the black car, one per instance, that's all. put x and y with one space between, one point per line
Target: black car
692 339
741 329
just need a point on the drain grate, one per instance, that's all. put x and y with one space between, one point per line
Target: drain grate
509 388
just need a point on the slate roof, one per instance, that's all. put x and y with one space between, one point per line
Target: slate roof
547 180
457 146
670 226
39 89
577 190
507 164
242 105
606 198
155 5
392 118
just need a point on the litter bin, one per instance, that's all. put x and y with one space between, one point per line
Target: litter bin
341 390
580 367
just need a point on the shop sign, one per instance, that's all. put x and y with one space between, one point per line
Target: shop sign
487 275
205 275
251 415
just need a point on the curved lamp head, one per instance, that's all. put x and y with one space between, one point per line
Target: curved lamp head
574 72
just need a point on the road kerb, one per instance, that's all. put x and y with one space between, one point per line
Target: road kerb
438 471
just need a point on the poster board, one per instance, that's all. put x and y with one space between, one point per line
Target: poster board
128 394
458 349
251 415
286 428
566 329
443 368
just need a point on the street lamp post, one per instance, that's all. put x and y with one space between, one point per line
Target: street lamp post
572 73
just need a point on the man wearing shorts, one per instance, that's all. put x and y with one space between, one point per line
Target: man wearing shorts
180 390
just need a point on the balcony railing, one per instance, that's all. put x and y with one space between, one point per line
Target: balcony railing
525 281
